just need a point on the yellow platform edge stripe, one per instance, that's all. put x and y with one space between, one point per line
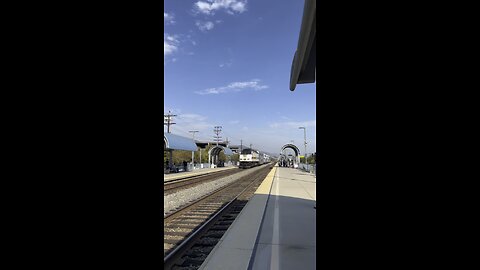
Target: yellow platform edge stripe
264 188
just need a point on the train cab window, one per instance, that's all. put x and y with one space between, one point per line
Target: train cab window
246 151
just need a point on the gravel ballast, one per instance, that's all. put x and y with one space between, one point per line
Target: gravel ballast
183 197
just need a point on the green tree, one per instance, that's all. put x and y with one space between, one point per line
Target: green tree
179 156
221 157
235 157
311 159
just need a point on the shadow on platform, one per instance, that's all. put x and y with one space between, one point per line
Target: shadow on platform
281 234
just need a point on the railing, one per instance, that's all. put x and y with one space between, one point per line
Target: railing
311 168
206 165
199 166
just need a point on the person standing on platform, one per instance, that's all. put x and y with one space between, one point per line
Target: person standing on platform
184 166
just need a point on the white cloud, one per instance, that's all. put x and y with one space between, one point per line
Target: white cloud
168 48
292 124
168 18
228 64
203 7
239 6
230 6
184 122
170 44
234 87
205 26
191 117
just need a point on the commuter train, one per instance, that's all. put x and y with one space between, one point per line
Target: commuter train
250 158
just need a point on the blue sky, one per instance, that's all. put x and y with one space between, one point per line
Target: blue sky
227 63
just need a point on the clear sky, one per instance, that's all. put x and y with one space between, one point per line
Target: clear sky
227 63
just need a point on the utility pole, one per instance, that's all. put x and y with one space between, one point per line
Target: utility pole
167 120
229 158
217 138
241 146
193 138
217 130
305 141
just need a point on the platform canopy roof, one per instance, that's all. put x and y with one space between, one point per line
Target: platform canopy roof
176 142
304 62
227 151
217 149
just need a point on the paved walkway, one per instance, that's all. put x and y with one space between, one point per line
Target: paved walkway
276 230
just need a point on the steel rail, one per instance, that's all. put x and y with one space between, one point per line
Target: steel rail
206 223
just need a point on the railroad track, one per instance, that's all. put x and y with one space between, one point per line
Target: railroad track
192 232
175 185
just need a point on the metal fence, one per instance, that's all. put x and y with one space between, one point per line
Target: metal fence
311 168
206 165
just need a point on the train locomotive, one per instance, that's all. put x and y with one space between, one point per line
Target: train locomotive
250 158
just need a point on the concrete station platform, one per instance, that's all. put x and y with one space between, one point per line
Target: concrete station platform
174 176
275 230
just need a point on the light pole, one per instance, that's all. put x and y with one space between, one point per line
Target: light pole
305 141
216 130
193 138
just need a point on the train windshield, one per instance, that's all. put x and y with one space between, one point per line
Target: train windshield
246 151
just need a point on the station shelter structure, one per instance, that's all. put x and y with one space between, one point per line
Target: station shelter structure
173 142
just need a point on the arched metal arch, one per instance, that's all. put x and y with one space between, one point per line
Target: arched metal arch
215 151
295 149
